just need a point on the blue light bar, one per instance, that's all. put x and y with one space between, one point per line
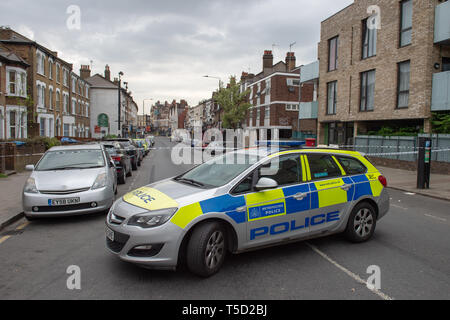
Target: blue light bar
281 144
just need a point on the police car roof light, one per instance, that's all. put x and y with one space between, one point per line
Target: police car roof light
281 144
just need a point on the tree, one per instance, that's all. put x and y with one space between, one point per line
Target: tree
234 103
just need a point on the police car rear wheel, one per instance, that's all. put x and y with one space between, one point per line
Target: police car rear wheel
362 223
206 249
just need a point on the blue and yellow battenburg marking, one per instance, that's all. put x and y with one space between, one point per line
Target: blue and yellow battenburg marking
270 203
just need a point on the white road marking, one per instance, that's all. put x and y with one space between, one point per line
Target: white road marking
410 193
349 273
434 217
396 206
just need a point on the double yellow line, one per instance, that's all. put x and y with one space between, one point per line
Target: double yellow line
22 226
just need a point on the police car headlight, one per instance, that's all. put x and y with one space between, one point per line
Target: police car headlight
152 218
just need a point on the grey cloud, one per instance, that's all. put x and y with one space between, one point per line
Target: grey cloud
165 47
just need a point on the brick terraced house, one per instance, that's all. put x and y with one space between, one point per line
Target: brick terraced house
274 95
13 95
59 100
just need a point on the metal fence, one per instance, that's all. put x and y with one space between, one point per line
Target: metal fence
403 147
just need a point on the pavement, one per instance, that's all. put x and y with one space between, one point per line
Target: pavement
11 197
405 180
411 247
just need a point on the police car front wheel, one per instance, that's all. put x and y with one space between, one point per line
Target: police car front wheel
206 249
362 223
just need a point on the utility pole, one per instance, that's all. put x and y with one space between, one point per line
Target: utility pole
119 103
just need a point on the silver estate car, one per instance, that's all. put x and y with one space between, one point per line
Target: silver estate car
245 200
70 180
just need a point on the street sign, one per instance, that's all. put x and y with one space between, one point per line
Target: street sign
103 120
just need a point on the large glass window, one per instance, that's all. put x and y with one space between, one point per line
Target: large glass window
331 97
66 130
369 40
323 166
367 90
284 170
12 124
403 84
42 127
333 53
406 22
12 82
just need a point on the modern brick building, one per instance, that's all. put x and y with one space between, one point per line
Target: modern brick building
383 66
274 95
59 100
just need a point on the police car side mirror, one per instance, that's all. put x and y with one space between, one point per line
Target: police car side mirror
266 183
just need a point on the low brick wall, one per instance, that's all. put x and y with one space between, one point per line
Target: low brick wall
437 167
28 154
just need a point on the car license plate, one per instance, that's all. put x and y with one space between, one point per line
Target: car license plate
109 233
63 202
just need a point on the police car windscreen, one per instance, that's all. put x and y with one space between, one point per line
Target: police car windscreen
221 170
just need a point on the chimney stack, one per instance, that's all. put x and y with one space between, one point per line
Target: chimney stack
267 61
290 61
85 72
107 73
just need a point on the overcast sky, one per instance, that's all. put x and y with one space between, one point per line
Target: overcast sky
165 47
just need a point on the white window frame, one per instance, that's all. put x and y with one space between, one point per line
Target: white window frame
50 69
20 82
50 97
58 73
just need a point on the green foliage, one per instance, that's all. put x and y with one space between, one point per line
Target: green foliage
234 104
440 122
395 131
110 136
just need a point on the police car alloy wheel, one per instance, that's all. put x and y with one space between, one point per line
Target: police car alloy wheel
362 223
206 249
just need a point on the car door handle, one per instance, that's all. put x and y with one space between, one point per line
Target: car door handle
241 209
300 196
346 187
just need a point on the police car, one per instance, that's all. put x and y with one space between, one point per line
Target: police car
244 200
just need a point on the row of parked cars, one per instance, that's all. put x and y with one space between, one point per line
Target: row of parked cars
79 179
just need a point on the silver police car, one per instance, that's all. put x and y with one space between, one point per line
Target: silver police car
244 200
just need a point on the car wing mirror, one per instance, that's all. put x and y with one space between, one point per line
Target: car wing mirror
29 167
266 183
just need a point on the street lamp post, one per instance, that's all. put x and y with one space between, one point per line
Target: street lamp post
119 104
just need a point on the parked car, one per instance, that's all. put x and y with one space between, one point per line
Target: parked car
121 159
131 150
142 145
70 180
